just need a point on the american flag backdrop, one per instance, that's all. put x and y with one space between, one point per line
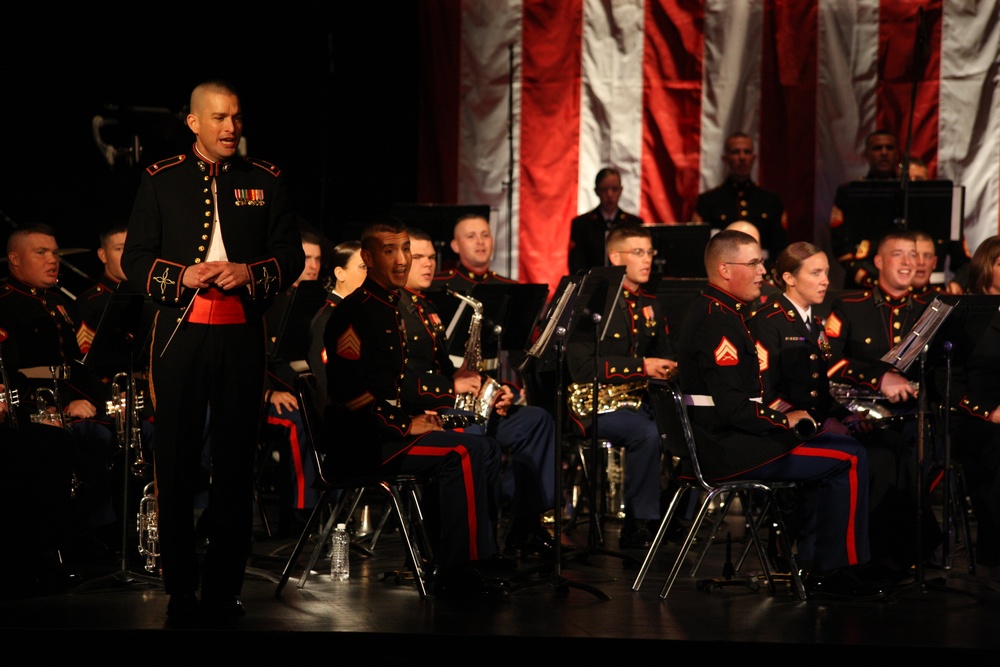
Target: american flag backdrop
523 101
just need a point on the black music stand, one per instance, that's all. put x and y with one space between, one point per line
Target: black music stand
512 311
874 208
126 321
545 354
679 248
292 339
598 298
914 346
960 337
438 220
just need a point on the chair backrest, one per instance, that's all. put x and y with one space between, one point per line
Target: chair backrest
305 387
674 425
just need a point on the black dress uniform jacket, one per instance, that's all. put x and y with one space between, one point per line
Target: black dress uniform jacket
719 369
91 304
366 356
462 279
638 329
734 201
258 226
428 384
41 326
862 327
793 361
587 235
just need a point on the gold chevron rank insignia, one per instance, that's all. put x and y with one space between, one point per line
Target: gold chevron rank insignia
762 357
726 354
349 345
833 326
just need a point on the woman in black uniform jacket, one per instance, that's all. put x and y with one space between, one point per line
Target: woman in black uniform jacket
794 356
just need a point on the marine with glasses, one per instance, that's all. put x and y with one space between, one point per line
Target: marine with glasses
636 347
739 436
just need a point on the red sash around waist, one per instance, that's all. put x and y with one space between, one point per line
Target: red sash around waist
213 306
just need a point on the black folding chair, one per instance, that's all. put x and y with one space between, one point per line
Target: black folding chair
676 432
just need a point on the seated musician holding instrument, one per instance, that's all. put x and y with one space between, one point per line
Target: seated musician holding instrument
370 431
41 324
865 324
794 355
637 347
740 436
525 433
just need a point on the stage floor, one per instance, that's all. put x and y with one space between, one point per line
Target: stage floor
114 608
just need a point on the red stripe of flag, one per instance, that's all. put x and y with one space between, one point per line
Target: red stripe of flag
671 134
786 151
550 136
901 63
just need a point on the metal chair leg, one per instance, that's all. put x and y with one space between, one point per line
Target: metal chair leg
660 534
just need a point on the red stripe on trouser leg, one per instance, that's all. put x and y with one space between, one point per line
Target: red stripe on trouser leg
468 485
849 541
296 452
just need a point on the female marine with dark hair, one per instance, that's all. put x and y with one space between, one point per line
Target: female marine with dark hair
984 269
348 270
975 400
794 357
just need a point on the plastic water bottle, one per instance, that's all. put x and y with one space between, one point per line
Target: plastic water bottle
340 556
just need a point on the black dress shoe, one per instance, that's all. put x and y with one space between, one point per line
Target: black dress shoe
634 535
225 606
496 564
182 607
465 581
882 574
842 584
537 543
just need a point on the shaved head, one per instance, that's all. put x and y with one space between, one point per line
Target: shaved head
201 92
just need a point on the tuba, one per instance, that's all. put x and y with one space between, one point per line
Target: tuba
482 403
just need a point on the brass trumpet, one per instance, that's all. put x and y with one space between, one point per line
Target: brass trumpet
146 523
125 404
9 395
45 413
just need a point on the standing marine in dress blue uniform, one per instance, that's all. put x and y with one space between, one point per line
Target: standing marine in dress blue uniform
212 240
739 199
589 231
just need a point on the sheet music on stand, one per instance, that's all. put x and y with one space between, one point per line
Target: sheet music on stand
559 317
905 353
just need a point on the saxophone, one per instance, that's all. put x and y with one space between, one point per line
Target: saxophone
482 403
610 397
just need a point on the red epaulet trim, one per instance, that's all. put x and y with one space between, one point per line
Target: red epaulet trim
265 165
157 167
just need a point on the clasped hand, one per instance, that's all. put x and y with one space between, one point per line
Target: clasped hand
224 275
